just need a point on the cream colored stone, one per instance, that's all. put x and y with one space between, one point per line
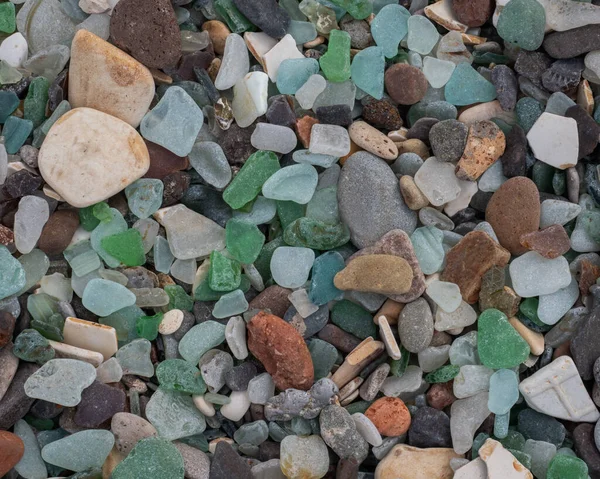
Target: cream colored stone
105 78
534 339
415 463
92 336
387 336
89 156
97 6
203 405
372 140
284 50
64 350
472 39
474 470
259 44
413 196
442 14
171 321
481 112
501 464
357 359
585 97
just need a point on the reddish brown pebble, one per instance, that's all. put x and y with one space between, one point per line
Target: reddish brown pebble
441 395
163 162
218 32
11 451
7 326
341 339
390 416
382 114
473 13
469 259
485 144
6 235
282 351
148 31
58 231
405 84
513 211
550 242
588 275
274 298
303 127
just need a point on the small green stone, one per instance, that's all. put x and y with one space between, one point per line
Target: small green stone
87 220
359 9
39 424
354 319
36 100
315 234
236 22
528 110
179 375
247 184
466 86
7 17
124 321
147 326
32 347
15 132
325 267
179 299
244 240
542 175
514 440
144 196
289 211
152 457
398 366
198 441
522 457
358 406
204 293
443 374
9 101
523 22
200 339
127 247
102 211
12 274
529 307
500 346
368 68
50 328
336 62
566 467
224 274
9 74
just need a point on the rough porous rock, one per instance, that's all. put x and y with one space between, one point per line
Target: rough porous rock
282 350
513 211
390 416
83 137
485 144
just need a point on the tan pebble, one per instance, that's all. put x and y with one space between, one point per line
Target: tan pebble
442 14
413 146
164 280
376 273
128 429
213 68
113 459
585 96
91 336
391 310
362 355
416 463
398 135
105 78
218 32
171 321
161 78
372 140
413 196
63 350
483 111
485 145
387 336
304 129
350 388
350 399
317 41
472 39
534 339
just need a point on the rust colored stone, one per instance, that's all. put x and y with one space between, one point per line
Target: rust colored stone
6 235
303 128
218 32
390 416
405 84
473 13
163 162
274 298
58 231
7 327
441 395
588 276
551 242
485 144
11 451
282 350
513 211
469 259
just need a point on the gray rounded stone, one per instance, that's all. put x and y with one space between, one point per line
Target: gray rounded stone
195 462
338 430
448 139
407 164
369 200
214 366
415 326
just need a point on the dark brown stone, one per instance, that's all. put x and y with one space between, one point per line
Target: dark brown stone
15 403
164 162
7 326
20 184
587 128
347 468
341 339
513 211
148 31
99 403
382 114
282 350
473 13
175 185
585 446
405 84
58 232
440 395
274 298
185 69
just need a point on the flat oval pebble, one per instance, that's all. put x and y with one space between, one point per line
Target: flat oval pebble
372 140
120 156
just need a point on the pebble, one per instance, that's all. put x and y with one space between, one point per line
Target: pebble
416 463
338 430
12 451
151 455
405 84
390 416
372 140
92 446
448 140
384 274
485 144
304 456
147 31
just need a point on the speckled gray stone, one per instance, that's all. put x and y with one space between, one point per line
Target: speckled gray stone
415 326
448 139
338 430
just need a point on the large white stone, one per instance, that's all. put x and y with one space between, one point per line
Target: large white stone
89 156
250 98
555 141
474 470
437 181
285 49
13 50
105 78
557 390
501 464
533 275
